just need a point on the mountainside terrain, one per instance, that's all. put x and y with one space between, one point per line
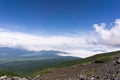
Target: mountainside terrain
104 66
98 67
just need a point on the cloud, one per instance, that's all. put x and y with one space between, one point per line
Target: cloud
72 44
80 53
100 40
75 45
13 39
110 37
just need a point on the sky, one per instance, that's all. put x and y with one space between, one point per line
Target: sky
79 27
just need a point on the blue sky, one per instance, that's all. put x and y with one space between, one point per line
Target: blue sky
60 20
58 16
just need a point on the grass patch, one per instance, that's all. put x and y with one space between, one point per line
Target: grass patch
7 73
91 72
117 75
63 75
44 71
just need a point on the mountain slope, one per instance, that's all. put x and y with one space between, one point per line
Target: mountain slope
104 57
90 68
97 67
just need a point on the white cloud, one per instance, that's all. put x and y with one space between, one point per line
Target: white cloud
72 44
38 42
80 46
80 53
110 37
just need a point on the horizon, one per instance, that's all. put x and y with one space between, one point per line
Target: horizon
80 27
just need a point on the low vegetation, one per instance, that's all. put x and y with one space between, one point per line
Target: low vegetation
99 58
63 75
91 72
7 73
44 71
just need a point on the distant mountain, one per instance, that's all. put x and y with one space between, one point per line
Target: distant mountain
19 54
6 52
26 62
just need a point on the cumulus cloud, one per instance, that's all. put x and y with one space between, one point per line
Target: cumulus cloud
110 37
79 46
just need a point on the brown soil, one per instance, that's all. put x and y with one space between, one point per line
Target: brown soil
69 73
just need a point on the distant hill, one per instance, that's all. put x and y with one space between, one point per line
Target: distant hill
26 62
19 54
6 52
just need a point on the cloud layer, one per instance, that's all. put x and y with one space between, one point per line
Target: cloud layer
101 40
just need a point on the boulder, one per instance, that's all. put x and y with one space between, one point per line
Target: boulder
118 60
3 77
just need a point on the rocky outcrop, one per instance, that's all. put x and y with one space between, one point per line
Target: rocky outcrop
109 71
118 60
13 78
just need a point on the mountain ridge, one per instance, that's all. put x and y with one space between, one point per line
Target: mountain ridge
19 52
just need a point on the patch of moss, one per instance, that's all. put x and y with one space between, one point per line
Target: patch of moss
117 75
63 75
45 71
91 72
102 59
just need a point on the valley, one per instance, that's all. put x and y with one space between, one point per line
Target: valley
26 63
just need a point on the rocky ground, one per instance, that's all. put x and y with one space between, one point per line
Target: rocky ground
90 71
109 71
13 78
